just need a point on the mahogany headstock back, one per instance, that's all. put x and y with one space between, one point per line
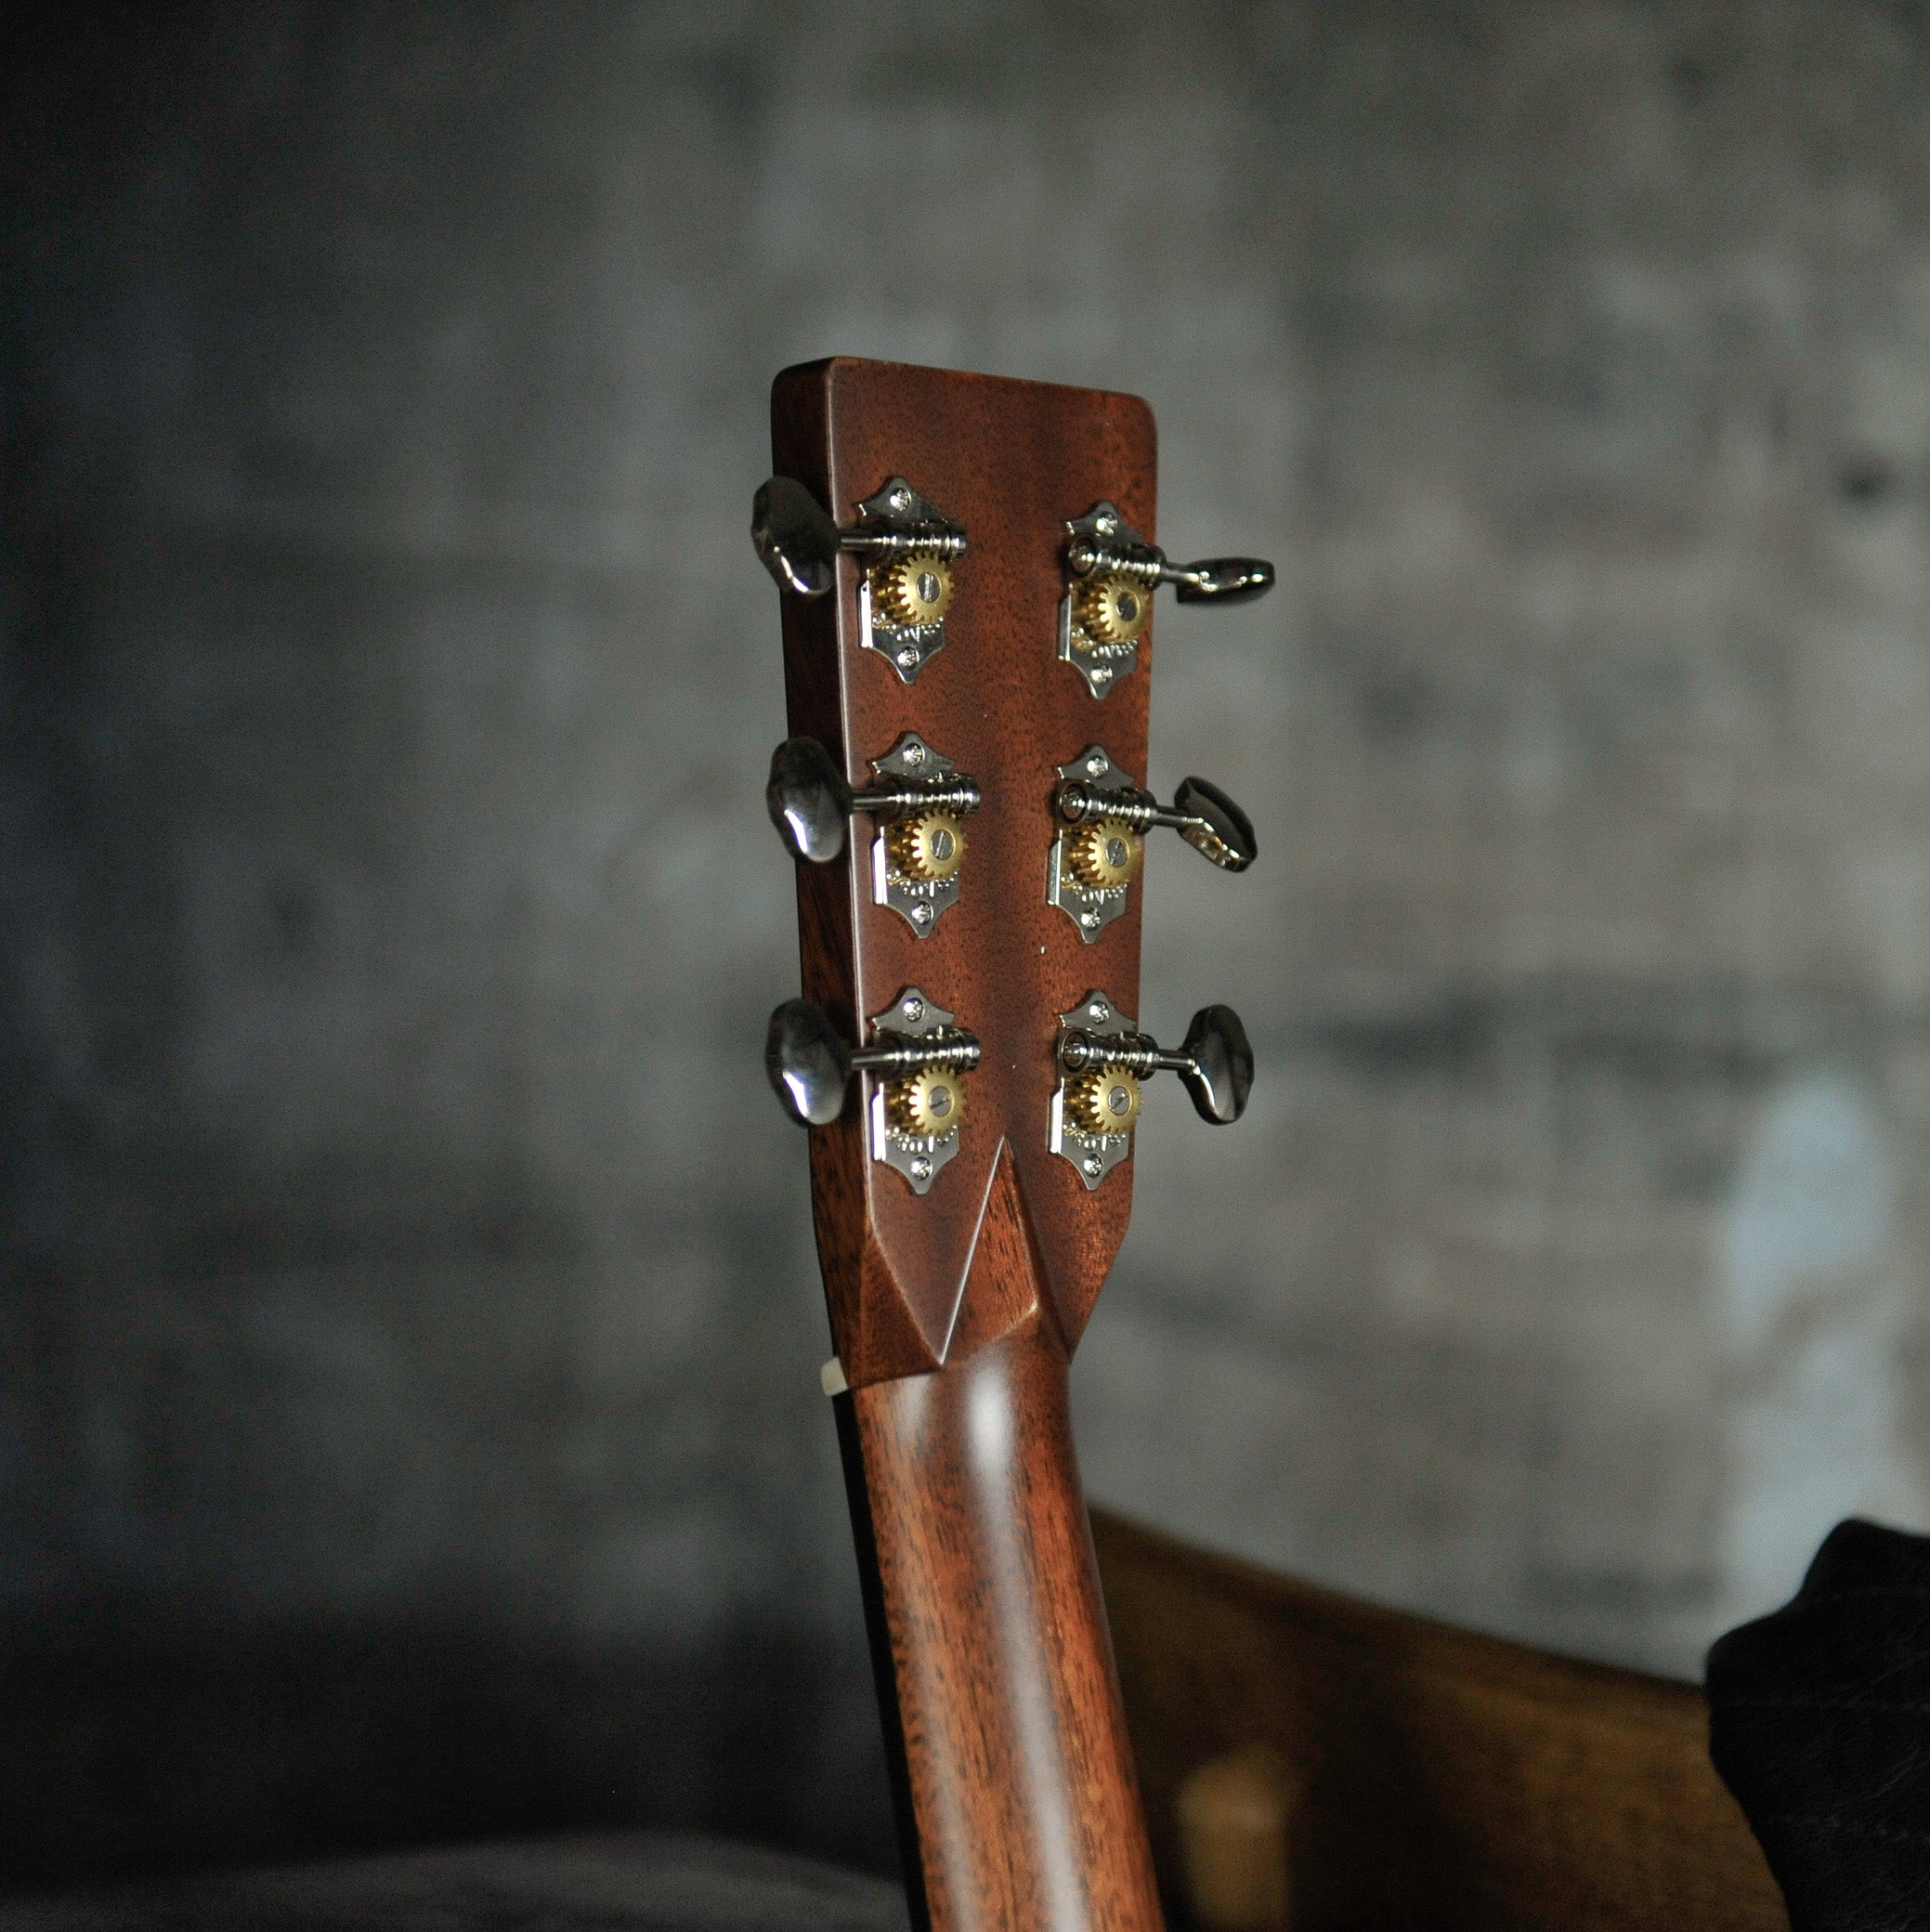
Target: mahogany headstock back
1016 466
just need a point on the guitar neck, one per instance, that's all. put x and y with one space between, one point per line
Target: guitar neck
1014 1784
969 568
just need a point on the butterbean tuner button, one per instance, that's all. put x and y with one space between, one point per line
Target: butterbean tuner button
1113 609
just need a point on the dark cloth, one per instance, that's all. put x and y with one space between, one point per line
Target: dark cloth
1819 1723
628 1883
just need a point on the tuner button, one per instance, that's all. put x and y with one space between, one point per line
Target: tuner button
931 1102
929 847
1215 825
1223 580
913 590
807 1064
1105 855
1107 1102
808 800
1219 1073
794 538
1113 609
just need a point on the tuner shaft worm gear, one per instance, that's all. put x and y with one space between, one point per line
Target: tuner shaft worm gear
931 1102
930 846
913 590
1104 855
1107 1102
1113 609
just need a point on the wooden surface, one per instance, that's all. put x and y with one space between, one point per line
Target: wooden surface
1012 461
1450 1780
954 1313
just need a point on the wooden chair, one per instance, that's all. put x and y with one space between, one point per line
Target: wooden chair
1432 1778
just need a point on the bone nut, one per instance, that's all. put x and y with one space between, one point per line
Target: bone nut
913 590
1107 1102
1104 855
931 1102
930 846
1113 609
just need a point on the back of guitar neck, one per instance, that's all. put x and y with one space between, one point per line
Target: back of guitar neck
1013 1780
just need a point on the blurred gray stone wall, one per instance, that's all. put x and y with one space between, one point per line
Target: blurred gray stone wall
407 1269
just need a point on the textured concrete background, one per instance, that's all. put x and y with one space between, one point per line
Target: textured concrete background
408 1404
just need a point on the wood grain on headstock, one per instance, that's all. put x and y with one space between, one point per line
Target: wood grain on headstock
1011 461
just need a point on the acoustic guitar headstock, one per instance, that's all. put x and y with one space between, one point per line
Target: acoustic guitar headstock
969 567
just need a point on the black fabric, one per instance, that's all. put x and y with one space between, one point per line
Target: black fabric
1819 1723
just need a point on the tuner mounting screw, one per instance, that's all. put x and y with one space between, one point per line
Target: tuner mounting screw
929 847
1104 855
912 590
1113 609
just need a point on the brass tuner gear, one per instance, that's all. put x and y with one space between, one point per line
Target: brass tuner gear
931 1102
929 845
913 590
1104 856
1113 609
1107 1102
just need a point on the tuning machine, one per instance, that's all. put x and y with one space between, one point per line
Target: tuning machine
908 546
1102 1059
916 1058
917 803
1105 816
1111 573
